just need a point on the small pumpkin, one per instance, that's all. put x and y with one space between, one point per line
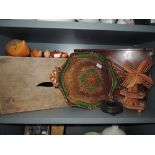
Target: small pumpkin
17 47
46 53
36 53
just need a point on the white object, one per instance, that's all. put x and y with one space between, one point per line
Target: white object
99 66
44 133
88 20
125 21
152 21
113 130
108 21
57 55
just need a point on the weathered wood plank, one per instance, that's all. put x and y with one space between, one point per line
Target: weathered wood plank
19 77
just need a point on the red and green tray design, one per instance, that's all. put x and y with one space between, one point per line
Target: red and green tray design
87 78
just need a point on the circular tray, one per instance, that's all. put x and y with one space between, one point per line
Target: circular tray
86 79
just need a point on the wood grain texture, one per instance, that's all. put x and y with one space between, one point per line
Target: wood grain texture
19 77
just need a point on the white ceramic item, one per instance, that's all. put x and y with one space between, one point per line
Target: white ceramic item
113 130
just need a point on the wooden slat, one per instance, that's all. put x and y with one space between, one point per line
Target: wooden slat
19 77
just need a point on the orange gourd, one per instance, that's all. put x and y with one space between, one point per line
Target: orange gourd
36 53
17 47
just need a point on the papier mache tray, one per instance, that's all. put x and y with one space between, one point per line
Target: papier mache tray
85 80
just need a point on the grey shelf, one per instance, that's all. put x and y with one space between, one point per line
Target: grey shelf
77 33
78 116
68 36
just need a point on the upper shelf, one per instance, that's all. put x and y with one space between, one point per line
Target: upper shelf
77 32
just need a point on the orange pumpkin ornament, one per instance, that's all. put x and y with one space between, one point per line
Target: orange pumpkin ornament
17 47
36 53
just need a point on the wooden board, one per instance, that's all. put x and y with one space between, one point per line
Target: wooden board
19 77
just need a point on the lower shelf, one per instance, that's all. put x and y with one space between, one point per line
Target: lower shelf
79 116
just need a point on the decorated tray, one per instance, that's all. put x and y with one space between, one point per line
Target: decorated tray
86 79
